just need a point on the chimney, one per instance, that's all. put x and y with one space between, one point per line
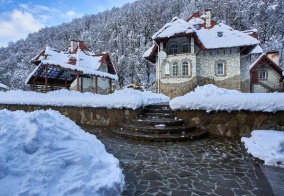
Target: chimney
208 17
274 56
74 45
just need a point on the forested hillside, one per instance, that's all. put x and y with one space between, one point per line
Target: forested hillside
126 33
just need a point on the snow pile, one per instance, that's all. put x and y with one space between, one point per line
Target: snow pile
211 98
126 98
45 153
266 145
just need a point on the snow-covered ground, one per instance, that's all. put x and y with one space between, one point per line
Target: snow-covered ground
126 98
45 153
266 145
212 98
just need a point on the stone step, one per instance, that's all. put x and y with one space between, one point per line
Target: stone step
159 106
157 121
193 135
159 115
157 129
158 110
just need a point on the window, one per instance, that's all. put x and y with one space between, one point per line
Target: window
220 68
104 68
185 47
167 70
173 49
262 75
175 69
184 69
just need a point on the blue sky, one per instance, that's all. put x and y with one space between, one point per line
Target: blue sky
18 18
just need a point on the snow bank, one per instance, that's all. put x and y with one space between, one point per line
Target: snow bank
267 145
45 153
126 98
212 98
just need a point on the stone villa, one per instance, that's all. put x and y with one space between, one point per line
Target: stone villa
200 51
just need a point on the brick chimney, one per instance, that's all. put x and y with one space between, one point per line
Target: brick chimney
274 56
208 17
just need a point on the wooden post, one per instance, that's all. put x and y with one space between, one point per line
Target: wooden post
96 84
45 82
77 85
110 90
82 85
65 82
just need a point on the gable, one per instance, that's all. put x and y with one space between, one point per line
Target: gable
263 60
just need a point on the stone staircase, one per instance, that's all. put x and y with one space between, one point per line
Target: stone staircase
158 123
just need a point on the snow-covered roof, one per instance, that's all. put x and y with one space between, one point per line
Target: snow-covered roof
257 50
3 86
209 37
177 26
223 36
149 51
81 59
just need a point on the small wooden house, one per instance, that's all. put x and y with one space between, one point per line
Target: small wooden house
76 68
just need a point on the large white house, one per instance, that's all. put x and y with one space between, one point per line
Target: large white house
199 51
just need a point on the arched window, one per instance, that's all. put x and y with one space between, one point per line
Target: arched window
175 69
173 48
166 69
184 69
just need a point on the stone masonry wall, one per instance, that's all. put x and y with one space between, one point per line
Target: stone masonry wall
233 124
208 59
172 90
84 115
221 123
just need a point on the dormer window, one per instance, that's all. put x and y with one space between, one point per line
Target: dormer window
185 47
173 48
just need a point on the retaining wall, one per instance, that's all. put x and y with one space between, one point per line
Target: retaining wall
233 124
83 115
220 123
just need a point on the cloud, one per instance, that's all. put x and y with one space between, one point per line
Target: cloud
17 25
71 15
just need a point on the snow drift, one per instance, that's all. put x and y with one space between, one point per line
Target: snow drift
45 153
266 145
212 98
126 98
